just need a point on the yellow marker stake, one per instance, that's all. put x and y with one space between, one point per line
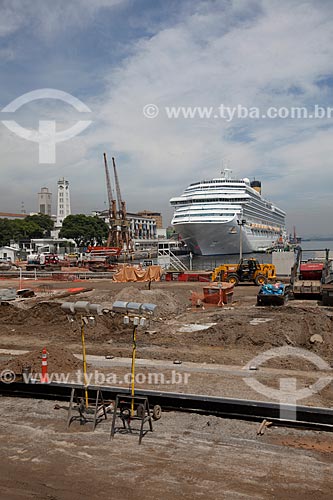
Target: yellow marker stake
133 370
84 361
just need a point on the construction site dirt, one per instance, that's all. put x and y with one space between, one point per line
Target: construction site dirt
202 350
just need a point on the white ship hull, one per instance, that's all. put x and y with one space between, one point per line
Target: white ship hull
222 238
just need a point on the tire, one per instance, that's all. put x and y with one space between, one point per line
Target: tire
140 411
125 413
233 278
260 280
157 412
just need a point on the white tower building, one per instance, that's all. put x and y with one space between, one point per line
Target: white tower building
64 204
45 201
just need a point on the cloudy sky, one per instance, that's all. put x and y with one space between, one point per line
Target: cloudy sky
117 56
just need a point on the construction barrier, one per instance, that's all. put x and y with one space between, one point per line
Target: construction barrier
44 377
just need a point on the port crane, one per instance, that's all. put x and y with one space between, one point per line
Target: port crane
113 235
119 226
125 235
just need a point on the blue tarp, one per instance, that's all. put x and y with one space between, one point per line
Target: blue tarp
277 289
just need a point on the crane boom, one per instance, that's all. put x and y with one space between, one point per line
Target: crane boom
120 201
119 227
111 200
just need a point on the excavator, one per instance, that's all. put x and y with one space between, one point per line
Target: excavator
247 270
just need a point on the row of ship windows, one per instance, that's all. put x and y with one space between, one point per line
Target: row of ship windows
260 202
257 205
258 214
253 231
255 214
252 209
192 216
254 205
217 190
249 211
209 183
211 200
231 214
260 232
204 215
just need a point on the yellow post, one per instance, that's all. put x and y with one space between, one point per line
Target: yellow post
133 370
84 361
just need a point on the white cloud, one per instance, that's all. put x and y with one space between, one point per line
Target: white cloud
11 18
49 19
253 53
212 58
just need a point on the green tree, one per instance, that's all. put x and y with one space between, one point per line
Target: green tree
43 221
6 231
84 230
32 226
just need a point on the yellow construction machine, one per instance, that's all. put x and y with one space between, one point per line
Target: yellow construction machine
247 270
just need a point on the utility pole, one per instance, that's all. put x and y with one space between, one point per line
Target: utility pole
241 223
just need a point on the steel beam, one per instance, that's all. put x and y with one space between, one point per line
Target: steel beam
242 409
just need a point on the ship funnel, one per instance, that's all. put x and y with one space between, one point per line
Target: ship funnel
256 185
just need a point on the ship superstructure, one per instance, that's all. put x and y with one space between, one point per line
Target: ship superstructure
210 213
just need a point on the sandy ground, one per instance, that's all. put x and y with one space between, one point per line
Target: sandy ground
187 456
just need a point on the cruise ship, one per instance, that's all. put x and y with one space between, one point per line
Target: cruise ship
210 214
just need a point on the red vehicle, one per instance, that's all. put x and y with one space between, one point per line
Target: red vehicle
49 262
100 258
311 270
104 251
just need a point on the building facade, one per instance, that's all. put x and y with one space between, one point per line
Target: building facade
11 216
45 201
141 228
157 216
8 253
63 203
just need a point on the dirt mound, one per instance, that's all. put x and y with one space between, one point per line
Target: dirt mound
47 312
103 297
165 300
59 360
271 328
48 319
